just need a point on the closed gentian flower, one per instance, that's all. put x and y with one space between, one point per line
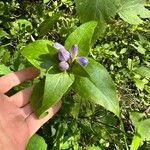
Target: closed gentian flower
74 51
63 55
83 61
58 46
63 66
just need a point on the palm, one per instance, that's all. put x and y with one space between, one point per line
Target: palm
17 119
13 121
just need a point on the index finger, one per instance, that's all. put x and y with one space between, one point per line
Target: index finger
9 81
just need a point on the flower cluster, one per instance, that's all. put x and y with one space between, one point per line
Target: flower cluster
66 57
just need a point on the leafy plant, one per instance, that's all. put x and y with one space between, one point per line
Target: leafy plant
36 142
4 70
142 132
97 10
43 56
107 34
133 10
102 11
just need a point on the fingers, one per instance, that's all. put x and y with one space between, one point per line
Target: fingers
26 110
22 97
34 123
3 97
15 78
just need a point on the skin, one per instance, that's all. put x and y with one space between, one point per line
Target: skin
17 120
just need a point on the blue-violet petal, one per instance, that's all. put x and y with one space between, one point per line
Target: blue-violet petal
63 55
58 46
83 61
63 66
74 51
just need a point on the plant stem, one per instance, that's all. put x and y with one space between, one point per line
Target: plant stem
124 135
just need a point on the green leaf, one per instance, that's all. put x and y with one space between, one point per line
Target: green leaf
123 51
143 71
37 95
2 8
130 64
75 109
135 142
6 57
3 33
36 142
142 134
93 148
136 117
82 37
139 48
40 54
97 10
140 84
4 69
132 11
20 24
56 85
144 129
45 1
48 24
78 70
98 87
147 88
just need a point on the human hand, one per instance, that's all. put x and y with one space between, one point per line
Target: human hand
17 120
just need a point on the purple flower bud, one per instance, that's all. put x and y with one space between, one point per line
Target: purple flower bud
74 51
63 55
58 46
63 66
83 61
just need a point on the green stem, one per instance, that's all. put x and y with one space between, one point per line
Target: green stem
124 135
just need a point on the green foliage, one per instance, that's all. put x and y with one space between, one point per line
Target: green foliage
37 94
82 37
48 24
132 11
101 11
55 82
93 148
98 87
21 25
46 1
4 70
2 33
142 130
43 56
36 142
28 30
97 10
40 54
143 71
